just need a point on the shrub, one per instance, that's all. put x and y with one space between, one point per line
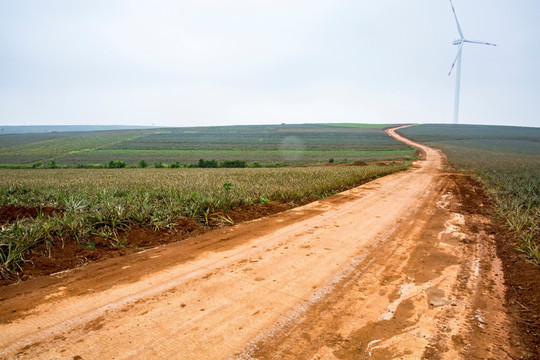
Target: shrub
51 164
207 163
233 164
115 164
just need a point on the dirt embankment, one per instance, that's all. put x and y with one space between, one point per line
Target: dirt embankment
11 213
67 254
403 267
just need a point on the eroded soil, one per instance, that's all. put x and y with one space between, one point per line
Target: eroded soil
404 267
66 254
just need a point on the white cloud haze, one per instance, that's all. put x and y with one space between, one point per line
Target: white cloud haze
215 62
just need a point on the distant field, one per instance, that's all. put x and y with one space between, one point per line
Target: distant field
373 126
36 129
506 160
29 148
265 144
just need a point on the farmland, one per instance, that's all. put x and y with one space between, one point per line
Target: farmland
506 160
265 145
100 206
424 235
339 263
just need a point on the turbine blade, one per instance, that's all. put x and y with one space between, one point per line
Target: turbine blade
456 59
457 22
479 42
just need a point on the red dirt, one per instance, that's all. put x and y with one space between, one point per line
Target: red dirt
250 212
11 213
68 254
521 277
522 280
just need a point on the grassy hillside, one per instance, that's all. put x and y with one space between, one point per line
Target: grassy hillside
506 160
265 144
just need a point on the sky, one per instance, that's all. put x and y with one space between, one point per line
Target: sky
235 62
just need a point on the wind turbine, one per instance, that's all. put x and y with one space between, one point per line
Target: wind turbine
459 42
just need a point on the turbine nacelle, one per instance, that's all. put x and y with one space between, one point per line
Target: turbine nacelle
462 41
478 42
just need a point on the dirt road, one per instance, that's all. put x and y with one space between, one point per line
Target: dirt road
402 267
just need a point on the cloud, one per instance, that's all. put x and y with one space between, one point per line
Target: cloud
212 62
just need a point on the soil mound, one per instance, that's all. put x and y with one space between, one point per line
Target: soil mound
11 213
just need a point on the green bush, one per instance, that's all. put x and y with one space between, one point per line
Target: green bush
115 164
51 164
207 163
233 164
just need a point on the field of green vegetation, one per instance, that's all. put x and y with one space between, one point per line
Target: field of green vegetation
106 203
265 145
506 160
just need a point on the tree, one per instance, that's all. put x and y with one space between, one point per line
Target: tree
51 164
115 164
207 163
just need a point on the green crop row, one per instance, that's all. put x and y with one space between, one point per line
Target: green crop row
241 152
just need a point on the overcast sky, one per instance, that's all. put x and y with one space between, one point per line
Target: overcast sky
224 62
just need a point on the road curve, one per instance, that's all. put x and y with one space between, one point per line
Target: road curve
396 268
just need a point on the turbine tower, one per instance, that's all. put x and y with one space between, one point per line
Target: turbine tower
459 42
